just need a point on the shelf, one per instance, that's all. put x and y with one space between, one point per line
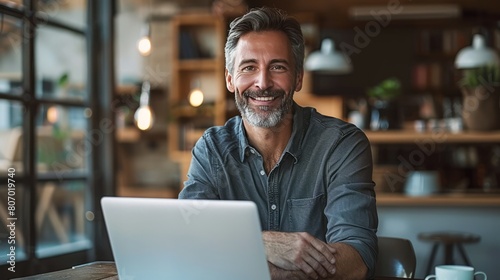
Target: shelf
127 135
127 90
458 199
198 19
437 55
198 64
142 191
190 112
410 137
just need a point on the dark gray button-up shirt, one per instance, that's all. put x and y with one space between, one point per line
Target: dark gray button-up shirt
322 183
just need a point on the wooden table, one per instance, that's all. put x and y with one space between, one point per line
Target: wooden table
101 271
90 271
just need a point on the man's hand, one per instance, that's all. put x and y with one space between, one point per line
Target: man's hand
300 251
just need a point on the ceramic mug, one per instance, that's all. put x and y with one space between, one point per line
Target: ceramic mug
422 182
455 272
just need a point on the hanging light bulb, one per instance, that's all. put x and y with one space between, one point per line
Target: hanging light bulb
144 115
144 44
52 114
196 96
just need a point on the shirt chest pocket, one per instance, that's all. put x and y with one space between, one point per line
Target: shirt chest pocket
306 214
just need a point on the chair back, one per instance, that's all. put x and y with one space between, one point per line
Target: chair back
396 258
11 148
10 144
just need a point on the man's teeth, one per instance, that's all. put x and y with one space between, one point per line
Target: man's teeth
264 98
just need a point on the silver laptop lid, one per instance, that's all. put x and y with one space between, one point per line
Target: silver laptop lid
153 238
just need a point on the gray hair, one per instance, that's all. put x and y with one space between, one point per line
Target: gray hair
265 19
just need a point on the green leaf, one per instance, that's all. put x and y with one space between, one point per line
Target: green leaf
63 80
482 76
385 90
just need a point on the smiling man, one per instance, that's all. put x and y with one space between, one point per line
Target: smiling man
310 175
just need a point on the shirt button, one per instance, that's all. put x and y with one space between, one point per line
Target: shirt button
252 151
273 207
262 172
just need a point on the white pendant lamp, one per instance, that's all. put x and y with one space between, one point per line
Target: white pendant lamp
476 55
144 43
328 60
144 115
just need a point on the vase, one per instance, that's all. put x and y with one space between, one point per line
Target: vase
481 108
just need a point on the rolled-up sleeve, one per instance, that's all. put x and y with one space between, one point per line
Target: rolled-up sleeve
351 205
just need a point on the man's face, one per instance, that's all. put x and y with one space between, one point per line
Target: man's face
264 78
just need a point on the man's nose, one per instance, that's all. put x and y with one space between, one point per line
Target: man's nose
263 80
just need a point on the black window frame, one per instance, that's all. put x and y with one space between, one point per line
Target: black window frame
99 34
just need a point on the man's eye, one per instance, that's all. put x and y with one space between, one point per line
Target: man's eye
248 68
278 67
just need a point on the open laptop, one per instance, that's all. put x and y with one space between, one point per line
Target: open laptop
157 238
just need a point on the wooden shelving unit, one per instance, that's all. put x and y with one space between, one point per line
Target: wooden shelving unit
409 137
440 200
437 151
197 62
127 135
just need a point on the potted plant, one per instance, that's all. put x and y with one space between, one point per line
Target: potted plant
385 113
481 98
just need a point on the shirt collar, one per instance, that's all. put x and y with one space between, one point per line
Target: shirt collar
300 122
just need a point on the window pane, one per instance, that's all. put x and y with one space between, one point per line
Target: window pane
60 218
72 12
14 224
10 55
61 61
11 150
61 138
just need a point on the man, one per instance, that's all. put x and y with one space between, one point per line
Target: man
310 175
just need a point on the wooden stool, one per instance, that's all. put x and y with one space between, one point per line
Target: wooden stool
449 240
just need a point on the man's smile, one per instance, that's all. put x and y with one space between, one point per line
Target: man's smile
266 98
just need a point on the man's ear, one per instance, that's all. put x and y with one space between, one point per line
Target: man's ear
298 83
229 81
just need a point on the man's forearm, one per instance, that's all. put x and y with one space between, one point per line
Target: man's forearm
348 263
282 274
301 256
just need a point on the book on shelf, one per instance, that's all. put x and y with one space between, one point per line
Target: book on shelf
420 76
435 75
188 48
445 42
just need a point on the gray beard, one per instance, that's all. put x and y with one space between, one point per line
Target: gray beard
266 117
